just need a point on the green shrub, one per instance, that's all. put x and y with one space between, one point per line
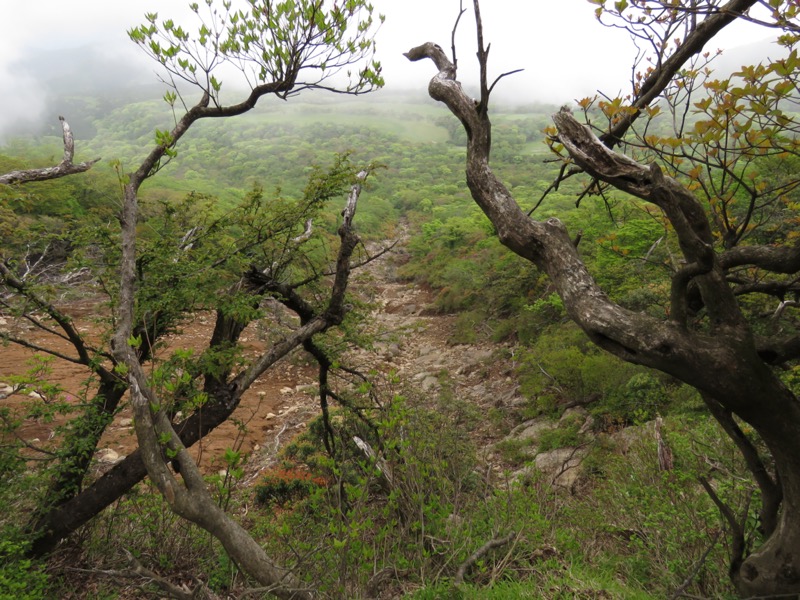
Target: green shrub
283 486
20 577
560 437
652 527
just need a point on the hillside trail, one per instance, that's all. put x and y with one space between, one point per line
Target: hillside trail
412 346
412 343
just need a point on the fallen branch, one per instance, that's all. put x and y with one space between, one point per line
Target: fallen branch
138 571
479 553
179 592
380 463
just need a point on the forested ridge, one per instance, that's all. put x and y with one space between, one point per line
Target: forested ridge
522 446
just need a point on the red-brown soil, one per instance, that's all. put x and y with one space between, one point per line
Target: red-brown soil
411 340
260 409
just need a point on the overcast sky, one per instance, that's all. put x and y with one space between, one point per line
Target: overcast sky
566 54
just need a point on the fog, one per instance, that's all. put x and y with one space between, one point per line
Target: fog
53 49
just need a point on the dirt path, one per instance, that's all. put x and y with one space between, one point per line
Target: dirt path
258 412
412 341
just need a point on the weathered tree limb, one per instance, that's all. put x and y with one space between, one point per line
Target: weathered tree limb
634 337
776 351
62 169
189 498
138 569
480 553
776 259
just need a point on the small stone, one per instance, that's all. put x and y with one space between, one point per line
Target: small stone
107 455
287 390
127 422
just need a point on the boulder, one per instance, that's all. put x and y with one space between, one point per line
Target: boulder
628 437
531 430
563 465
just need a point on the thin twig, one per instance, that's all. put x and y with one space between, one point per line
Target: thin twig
461 11
499 77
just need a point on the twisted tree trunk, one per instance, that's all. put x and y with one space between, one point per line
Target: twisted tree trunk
723 363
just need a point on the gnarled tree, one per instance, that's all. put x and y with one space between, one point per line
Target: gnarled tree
280 48
705 181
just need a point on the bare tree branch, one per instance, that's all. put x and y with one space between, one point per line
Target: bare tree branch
461 11
480 553
62 169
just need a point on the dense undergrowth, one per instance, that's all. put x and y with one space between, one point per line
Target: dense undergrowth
355 528
406 526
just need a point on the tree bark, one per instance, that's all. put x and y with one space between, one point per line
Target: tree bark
76 453
65 518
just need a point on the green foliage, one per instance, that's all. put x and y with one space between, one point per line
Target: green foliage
386 511
563 367
222 571
143 523
46 401
563 436
652 526
224 481
20 578
270 43
285 486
